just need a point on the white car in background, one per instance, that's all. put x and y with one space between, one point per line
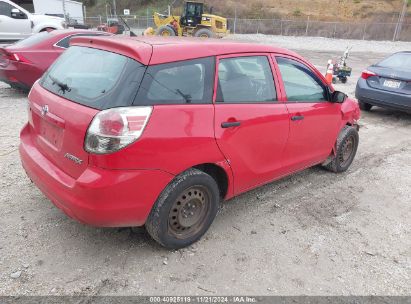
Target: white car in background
17 23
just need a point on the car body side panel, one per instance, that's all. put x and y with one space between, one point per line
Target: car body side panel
176 138
311 139
254 148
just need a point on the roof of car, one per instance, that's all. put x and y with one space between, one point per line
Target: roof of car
155 50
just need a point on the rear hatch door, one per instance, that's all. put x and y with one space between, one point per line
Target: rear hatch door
82 82
58 130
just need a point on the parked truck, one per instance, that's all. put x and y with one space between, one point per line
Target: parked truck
18 23
73 9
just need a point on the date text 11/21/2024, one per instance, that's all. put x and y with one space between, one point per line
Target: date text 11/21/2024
203 299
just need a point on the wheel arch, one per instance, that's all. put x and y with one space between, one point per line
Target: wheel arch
43 26
221 172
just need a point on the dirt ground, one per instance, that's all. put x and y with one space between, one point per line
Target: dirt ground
314 233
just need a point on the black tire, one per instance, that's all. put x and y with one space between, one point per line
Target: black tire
48 29
204 33
347 144
344 79
166 31
20 89
334 81
365 106
169 221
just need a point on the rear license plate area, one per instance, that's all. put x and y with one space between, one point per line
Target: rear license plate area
51 133
392 84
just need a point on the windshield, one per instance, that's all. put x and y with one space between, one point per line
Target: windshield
94 78
32 40
395 61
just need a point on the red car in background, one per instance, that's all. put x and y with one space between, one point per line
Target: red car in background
22 63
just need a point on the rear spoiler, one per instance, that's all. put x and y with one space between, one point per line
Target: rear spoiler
129 47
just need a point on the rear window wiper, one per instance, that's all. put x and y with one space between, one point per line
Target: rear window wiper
63 86
186 97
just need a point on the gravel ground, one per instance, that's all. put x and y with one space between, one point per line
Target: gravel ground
324 44
314 233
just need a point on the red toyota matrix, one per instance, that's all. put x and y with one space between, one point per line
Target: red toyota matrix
148 131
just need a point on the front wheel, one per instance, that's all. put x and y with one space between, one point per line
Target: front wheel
346 149
165 31
185 210
204 33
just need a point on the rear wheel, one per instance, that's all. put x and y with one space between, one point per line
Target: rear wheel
204 33
364 106
165 31
346 149
185 210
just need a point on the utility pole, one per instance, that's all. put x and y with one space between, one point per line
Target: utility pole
235 18
400 22
64 11
115 8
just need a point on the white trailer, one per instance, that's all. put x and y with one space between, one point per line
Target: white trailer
74 9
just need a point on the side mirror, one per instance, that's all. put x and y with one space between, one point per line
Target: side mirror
338 97
17 14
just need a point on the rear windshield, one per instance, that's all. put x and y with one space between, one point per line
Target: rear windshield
32 40
94 78
399 60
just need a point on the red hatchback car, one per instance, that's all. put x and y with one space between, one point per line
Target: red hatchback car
156 132
22 63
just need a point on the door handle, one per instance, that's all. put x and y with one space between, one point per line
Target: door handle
297 117
230 124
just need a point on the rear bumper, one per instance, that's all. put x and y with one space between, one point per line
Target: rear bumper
381 98
99 197
20 75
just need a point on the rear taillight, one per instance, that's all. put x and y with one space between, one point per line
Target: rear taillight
15 57
114 129
367 74
19 58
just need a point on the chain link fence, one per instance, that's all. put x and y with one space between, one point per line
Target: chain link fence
338 30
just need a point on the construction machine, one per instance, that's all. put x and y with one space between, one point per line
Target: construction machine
193 22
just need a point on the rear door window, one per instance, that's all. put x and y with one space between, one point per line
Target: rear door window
180 82
95 78
245 80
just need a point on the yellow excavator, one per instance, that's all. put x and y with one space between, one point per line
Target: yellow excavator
193 22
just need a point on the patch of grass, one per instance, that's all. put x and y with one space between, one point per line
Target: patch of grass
297 12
